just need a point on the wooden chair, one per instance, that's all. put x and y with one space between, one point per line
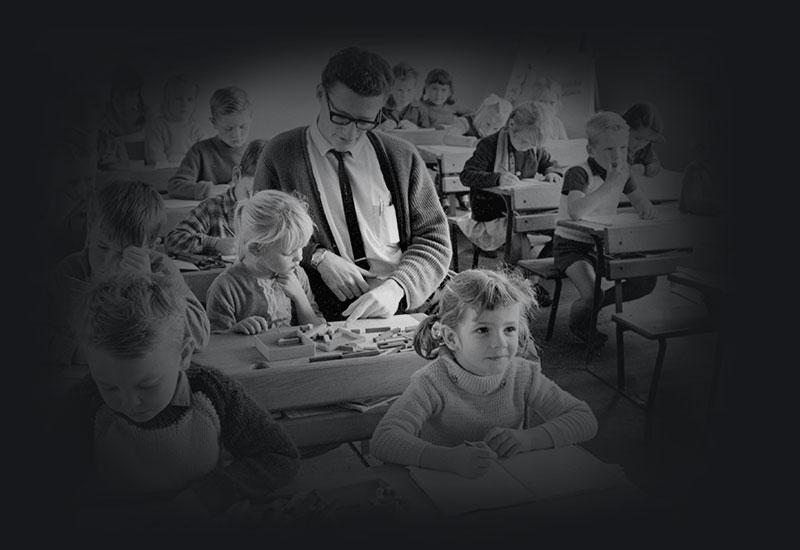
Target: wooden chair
545 269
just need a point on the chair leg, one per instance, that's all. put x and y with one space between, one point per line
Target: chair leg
553 310
651 396
620 357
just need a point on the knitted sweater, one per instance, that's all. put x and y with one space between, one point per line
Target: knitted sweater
209 160
237 293
183 445
421 222
414 112
447 405
72 278
169 141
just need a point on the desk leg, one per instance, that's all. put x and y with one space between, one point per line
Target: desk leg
618 295
598 276
509 227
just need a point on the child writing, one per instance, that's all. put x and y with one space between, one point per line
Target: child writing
149 429
402 110
478 389
595 188
124 221
547 93
438 99
208 229
266 287
489 118
208 165
169 136
645 126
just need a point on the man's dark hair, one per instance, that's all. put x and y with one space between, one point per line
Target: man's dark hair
366 73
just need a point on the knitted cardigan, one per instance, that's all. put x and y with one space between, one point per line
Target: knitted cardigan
424 237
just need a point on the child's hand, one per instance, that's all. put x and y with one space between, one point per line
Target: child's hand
507 178
388 124
290 284
217 189
507 442
254 324
552 177
135 258
618 174
637 169
648 211
226 246
471 462
406 125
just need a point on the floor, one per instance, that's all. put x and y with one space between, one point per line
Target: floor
670 465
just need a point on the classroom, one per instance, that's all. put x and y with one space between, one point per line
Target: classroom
418 280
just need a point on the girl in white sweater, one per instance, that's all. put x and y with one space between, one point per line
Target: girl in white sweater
479 399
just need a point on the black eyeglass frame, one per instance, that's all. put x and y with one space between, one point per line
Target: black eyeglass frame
341 119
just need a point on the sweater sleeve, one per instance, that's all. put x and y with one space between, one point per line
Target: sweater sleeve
303 278
567 419
184 184
396 437
478 172
221 304
264 457
426 260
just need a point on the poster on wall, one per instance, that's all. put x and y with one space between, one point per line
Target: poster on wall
573 71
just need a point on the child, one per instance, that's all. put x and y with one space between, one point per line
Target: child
595 188
478 388
645 126
502 159
402 110
125 115
150 429
266 287
208 229
124 222
438 99
208 166
547 93
170 135
490 116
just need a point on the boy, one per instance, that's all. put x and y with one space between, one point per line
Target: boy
208 229
209 163
402 110
595 188
123 224
146 428
645 129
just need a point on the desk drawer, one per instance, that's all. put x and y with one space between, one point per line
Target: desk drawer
524 223
452 184
661 264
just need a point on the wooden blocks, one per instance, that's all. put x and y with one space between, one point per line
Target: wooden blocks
284 343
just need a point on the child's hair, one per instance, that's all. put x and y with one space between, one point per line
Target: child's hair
179 80
545 84
404 71
479 290
127 313
272 217
531 117
364 72
493 106
127 212
643 115
250 157
227 101
602 122
440 76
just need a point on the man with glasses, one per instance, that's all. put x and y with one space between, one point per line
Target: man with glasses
381 243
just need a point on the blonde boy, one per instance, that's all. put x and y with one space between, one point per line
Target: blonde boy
208 166
595 188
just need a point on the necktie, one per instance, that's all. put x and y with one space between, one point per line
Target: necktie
356 242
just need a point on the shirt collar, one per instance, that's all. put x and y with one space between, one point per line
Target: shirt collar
324 146
597 170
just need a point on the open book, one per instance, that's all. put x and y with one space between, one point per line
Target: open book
526 477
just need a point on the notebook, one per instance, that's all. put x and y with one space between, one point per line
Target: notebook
527 477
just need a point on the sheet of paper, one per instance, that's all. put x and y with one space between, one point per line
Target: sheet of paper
183 265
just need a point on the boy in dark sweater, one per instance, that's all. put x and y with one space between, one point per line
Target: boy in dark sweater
150 432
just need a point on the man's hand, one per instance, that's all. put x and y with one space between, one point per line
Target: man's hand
507 178
381 301
344 278
135 258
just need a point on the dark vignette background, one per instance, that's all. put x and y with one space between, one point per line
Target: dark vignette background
723 499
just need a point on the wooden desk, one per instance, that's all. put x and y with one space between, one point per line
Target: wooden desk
305 384
449 161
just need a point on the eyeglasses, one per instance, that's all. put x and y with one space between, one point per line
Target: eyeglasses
341 119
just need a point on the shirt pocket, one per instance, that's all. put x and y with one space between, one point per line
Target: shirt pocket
387 230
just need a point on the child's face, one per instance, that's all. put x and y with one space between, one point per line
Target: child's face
610 149
243 186
234 128
274 259
403 91
140 387
639 138
104 254
550 101
181 102
437 93
485 344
